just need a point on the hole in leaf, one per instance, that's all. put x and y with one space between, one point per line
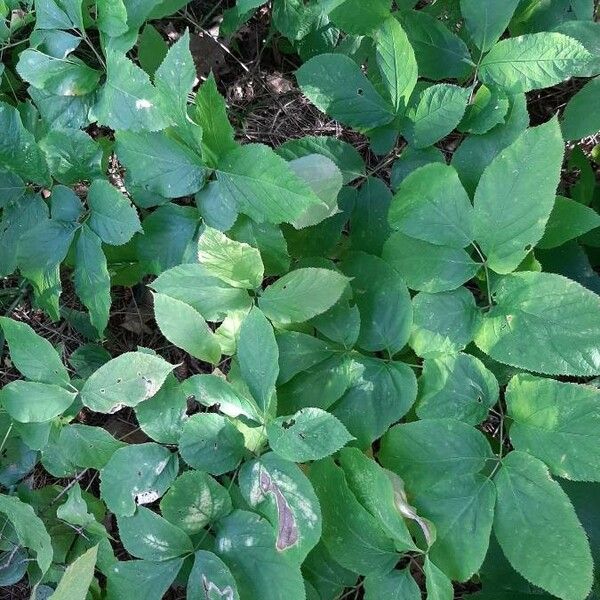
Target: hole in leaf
288 424
360 91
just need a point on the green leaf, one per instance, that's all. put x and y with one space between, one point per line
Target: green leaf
538 529
185 327
443 323
18 150
112 218
210 442
32 355
487 21
29 529
456 387
88 447
396 585
383 301
476 152
175 79
125 381
487 109
263 185
440 53
462 509
310 434
246 544
425 452
374 489
210 112
194 500
148 536
439 110
345 156
325 574
410 160
162 416
160 164
112 17
586 33
151 52
438 586
279 490
92 281
336 85
432 205
32 402
235 263
216 579
59 14
211 390
258 357
369 226
72 155
582 116
61 76
508 225
196 286
128 101
137 474
558 423
12 188
533 61
78 577
302 294
380 393
428 267
354 16
543 322
351 534
568 220
150 580
396 61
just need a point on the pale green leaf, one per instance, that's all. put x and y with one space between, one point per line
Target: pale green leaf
558 423
32 402
78 577
302 294
68 76
235 263
125 381
185 327
438 585
533 61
